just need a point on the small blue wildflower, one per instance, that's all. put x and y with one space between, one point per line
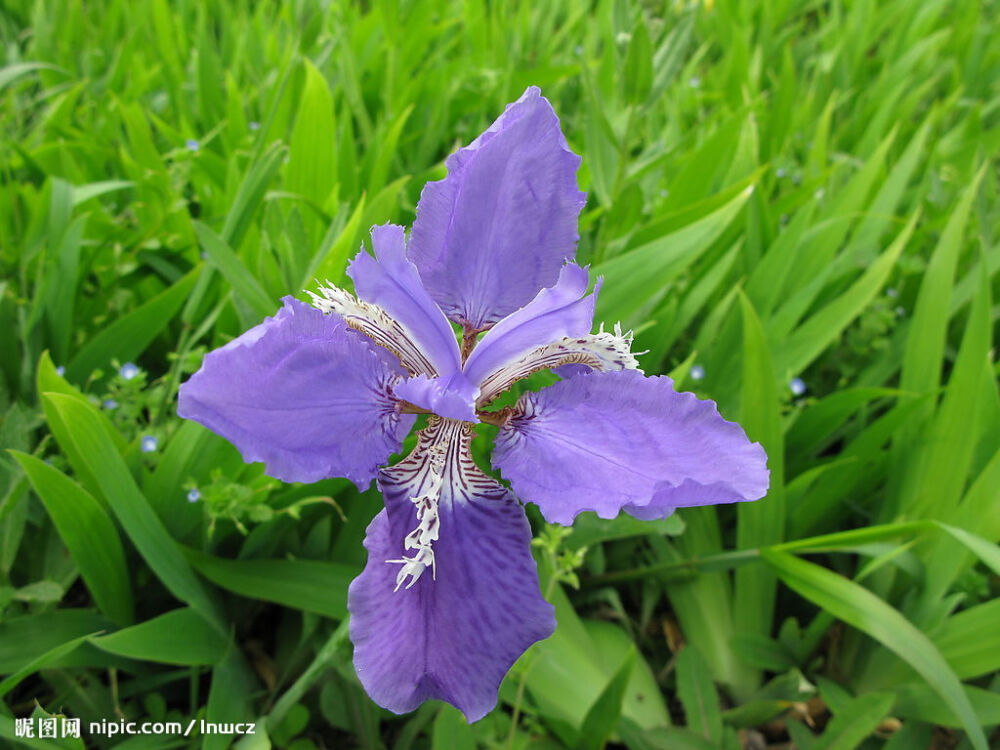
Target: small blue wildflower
60 371
779 173
697 372
193 495
892 292
110 404
128 371
148 444
694 82
797 386
192 144
254 125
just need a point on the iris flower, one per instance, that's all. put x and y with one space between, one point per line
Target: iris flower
449 597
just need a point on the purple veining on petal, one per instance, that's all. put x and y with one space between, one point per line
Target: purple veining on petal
452 396
604 441
303 393
498 228
556 312
391 281
455 635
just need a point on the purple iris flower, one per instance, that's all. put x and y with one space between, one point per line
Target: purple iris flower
449 598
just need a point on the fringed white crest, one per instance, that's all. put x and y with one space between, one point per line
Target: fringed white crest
375 323
601 351
422 538
438 473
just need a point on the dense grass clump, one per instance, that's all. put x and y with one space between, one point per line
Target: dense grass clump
797 191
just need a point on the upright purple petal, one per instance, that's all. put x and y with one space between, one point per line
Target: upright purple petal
304 394
391 281
604 441
453 632
498 228
555 313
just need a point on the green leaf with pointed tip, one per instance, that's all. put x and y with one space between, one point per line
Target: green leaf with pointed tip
761 522
860 608
312 158
88 534
697 695
141 524
816 333
129 336
49 381
41 662
308 585
235 272
856 720
635 278
178 637
602 718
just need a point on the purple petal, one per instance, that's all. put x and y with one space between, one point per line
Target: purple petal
453 396
498 228
611 440
391 281
456 630
304 394
555 313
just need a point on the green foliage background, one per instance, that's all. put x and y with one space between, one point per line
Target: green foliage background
797 188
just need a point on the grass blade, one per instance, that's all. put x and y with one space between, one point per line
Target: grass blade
88 534
858 607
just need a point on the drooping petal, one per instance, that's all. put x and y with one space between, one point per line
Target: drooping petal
449 623
291 390
451 396
390 281
602 351
558 312
604 441
498 228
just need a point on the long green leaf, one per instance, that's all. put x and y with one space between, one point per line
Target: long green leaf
637 277
128 336
131 508
813 336
855 721
860 608
88 534
53 655
232 268
761 522
697 695
602 718
307 585
312 160
178 637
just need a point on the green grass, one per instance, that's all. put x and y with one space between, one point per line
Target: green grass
775 190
